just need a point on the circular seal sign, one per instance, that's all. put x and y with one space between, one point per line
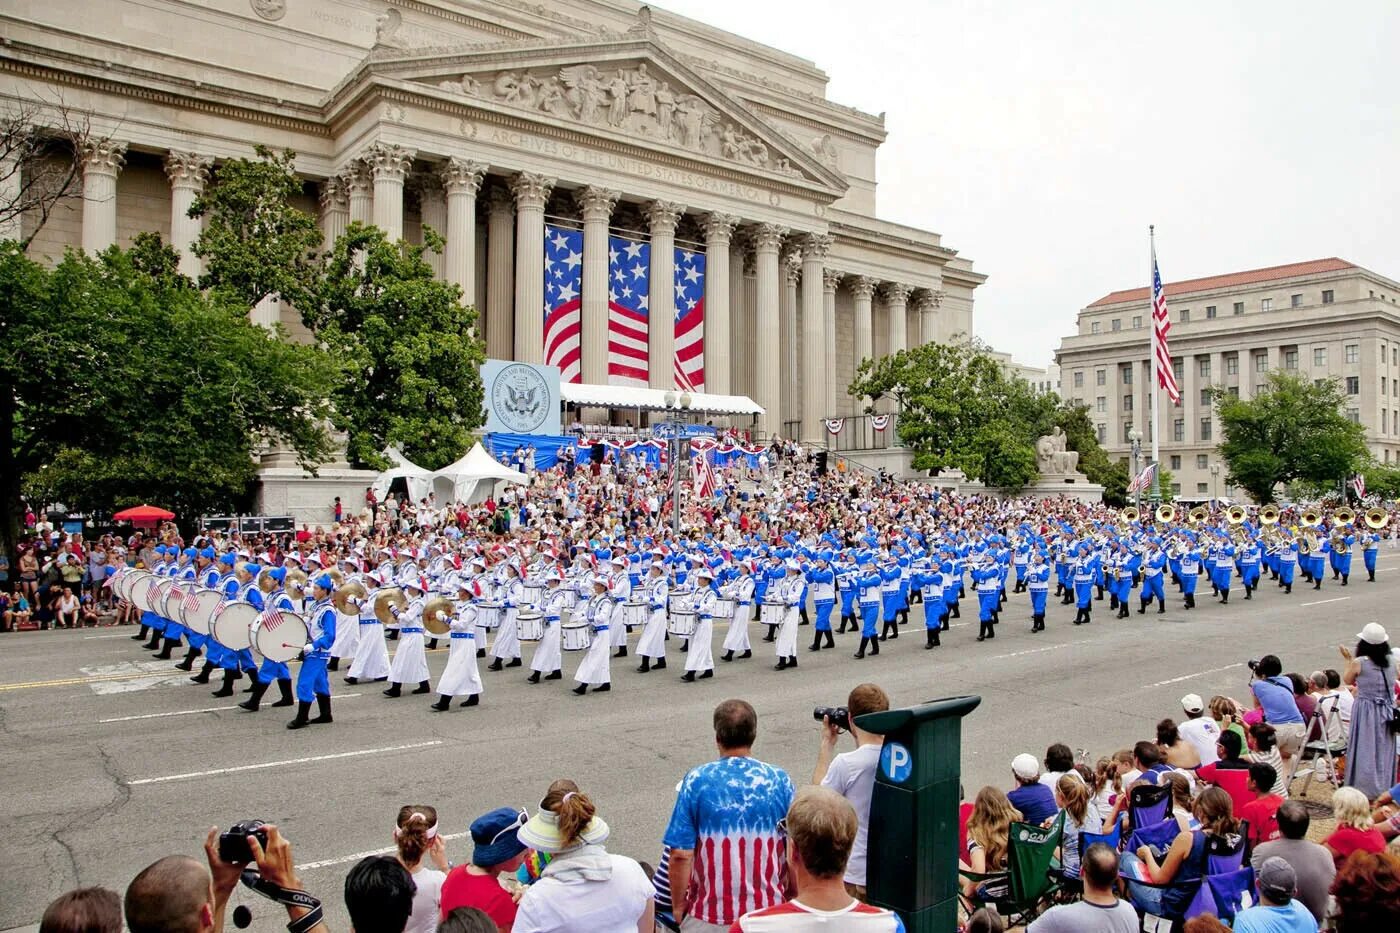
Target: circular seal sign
270 10
520 397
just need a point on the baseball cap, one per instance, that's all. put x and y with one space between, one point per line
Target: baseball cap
1192 703
1277 880
1025 766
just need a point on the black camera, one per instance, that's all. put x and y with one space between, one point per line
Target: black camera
840 716
1253 665
233 842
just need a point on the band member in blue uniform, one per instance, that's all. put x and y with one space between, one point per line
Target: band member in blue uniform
313 682
1370 550
846 585
868 583
1154 568
822 580
271 670
1190 569
1085 576
1037 582
987 578
930 584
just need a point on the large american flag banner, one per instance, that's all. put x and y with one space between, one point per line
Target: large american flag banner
563 301
690 320
1143 480
1161 326
629 293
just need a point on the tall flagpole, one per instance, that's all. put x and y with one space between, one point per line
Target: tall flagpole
1156 497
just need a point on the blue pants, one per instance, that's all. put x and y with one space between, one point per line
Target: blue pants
174 630
933 613
891 605
1249 575
312 679
988 601
195 639
824 608
1220 579
1285 573
869 618
1343 565
1083 594
1188 584
1152 589
848 606
1369 559
1038 602
245 660
273 670
152 621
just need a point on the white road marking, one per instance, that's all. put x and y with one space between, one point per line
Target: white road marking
126 634
277 764
1177 680
1017 654
342 859
1323 602
207 709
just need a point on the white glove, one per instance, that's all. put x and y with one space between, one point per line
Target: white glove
356 601
308 648
394 611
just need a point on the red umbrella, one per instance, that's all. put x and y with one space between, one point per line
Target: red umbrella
144 515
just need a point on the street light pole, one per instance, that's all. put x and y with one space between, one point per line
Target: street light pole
1215 484
676 403
1135 438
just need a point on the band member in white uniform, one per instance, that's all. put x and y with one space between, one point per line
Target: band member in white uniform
347 627
790 591
699 656
460 677
652 645
619 591
739 589
371 662
549 657
410 664
507 645
595 668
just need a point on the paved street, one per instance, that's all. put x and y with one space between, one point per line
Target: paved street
110 761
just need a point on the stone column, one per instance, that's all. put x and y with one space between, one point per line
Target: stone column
531 193
718 230
741 315
662 218
432 212
927 306
500 273
187 171
11 188
863 288
335 211
897 302
767 239
359 187
461 179
389 164
791 392
596 205
831 280
815 247
102 161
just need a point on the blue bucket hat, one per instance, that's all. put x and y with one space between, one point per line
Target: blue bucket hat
494 836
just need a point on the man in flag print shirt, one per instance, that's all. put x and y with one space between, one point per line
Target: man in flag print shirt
821 827
727 848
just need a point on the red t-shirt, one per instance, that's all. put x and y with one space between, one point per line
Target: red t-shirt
1262 814
1348 839
484 892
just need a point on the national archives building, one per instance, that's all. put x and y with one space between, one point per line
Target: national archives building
488 120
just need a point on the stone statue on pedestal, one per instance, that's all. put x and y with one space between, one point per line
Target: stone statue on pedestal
1053 456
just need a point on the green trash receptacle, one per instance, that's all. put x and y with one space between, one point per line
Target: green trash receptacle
912 860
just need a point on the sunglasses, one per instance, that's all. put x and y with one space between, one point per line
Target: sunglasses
521 819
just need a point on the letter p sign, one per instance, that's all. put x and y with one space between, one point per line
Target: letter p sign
896 762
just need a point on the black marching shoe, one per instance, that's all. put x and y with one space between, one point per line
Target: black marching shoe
555 675
816 643
580 690
707 674
203 676
534 678
1161 607
515 662
1142 610
251 704
874 647
227 689
660 665
860 652
352 680
443 702
394 690
333 665
645 666
141 635
172 643
830 642
303 717
932 640
481 652
782 665
727 656
323 710
473 700
792 661
621 652
284 686
748 653
496 665
688 677
603 688
423 687
188 663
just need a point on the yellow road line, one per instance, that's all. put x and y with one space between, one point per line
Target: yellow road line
70 681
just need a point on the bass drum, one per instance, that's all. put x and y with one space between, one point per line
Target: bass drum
145 592
126 583
281 634
199 609
232 625
174 606
160 594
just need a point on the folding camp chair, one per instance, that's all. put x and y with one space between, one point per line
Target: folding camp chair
1032 873
1225 889
1148 805
1331 742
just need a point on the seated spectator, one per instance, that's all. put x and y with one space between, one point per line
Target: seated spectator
1367 893
379 895
1278 910
1261 812
1355 832
1312 864
1305 701
496 850
1181 799
1034 800
1179 871
1058 760
1147 762
468 920
1330 705
1263 745
1198 729
1345 698
1226 715
821 831
88 614
852 774
1072 797
417 839
83 910
584 889
66 609
1228 747
1205 923
984 920
1100 910
988 835
1104 787
1176 751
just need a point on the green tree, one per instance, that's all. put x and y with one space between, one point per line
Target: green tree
413 359
1294 430
256 242
122 382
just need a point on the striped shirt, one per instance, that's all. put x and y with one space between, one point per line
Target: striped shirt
796 917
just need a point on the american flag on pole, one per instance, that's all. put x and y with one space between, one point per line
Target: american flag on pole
1143 480
629 293
1161 326
563 301
703 472
1358 483
690 320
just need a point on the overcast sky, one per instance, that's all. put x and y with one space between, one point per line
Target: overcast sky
1041 137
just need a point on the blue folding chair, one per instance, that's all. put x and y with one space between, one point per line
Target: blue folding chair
1148 805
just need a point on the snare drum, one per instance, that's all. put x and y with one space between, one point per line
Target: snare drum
772 613
575 636
680 600
570 597
682 623
534 593
634 614
488 615
724 608
529 624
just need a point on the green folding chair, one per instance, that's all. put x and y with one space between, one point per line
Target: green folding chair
1032 876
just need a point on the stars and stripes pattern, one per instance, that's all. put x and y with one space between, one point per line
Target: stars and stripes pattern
1161 326
563 301
1358 484
1143 480
706 483
690 320
272 618
629 297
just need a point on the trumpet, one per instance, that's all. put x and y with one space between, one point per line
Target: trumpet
1343 516
1199 515
1235 515
1311 518
1377 518
1166 513
1269 515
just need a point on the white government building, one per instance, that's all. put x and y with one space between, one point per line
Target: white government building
484 118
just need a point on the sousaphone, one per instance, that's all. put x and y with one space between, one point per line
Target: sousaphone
1166 513
1343 516
1377 518
1235 515
1199 515
1269 515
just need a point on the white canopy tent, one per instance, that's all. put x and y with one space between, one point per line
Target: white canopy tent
418 480
458 482
644 399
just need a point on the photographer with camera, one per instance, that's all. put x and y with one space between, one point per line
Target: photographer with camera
1273 693
852 774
